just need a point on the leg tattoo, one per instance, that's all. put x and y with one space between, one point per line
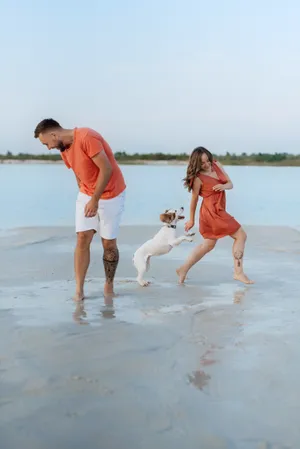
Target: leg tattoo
110 261
238 255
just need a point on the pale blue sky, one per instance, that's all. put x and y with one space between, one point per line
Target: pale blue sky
155 75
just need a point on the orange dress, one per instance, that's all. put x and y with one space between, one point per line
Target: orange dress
215 222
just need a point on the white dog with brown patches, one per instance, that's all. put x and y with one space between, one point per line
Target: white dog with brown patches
160 244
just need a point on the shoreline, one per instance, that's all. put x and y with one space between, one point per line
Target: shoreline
68 229
153 162
133 235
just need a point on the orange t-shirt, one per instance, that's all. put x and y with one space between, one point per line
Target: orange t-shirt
87 143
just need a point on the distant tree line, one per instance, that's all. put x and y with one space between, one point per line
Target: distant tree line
30 157
228 158
123 157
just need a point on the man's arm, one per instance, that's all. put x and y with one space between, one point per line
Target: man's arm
102 162
105 172
93 147
78 181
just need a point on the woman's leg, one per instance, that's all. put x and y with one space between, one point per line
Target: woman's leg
238 248
195 256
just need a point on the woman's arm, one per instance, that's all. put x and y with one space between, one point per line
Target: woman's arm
193 204
228 185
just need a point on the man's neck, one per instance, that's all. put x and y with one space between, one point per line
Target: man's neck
67 136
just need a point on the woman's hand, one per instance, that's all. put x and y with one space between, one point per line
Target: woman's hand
219 187
189 225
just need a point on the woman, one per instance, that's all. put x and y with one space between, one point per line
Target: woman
207 178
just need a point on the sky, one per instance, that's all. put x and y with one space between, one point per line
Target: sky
155 75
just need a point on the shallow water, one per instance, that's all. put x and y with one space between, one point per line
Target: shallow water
261 195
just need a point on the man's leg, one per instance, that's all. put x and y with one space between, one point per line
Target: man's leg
82 261
110 262
110 214
85 230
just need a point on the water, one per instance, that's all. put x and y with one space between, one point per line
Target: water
44 195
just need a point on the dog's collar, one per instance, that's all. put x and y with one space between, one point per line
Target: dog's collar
171 226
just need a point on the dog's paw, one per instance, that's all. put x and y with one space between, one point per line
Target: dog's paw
191 234
143 283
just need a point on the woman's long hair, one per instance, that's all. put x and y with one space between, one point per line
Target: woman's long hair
194 166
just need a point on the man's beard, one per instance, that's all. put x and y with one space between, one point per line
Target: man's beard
61 147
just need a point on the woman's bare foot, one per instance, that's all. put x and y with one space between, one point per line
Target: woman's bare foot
181 274
242 278
79 296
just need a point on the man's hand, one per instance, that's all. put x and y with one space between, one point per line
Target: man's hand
91 208
219 188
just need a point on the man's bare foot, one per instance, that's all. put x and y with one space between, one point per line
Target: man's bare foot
243 278
79 296
109 290
181 274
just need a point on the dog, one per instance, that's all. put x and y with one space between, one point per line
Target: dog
162 243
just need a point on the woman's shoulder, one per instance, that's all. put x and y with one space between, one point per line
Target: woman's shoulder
198 176
196 183
218 164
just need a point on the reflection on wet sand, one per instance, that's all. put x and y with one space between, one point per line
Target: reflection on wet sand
108 310
80 314
206 359
239 295
199 379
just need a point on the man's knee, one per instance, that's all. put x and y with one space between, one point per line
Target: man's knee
84 239
109 244
111 252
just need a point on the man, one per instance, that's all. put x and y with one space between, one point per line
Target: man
101 197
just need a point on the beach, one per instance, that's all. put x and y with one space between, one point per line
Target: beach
212 364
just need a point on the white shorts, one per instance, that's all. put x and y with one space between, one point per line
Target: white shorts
108 219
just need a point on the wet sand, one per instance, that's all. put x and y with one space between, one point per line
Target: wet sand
213 364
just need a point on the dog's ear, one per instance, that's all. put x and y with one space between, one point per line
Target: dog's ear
167 218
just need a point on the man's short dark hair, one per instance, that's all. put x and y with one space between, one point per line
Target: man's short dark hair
45 125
